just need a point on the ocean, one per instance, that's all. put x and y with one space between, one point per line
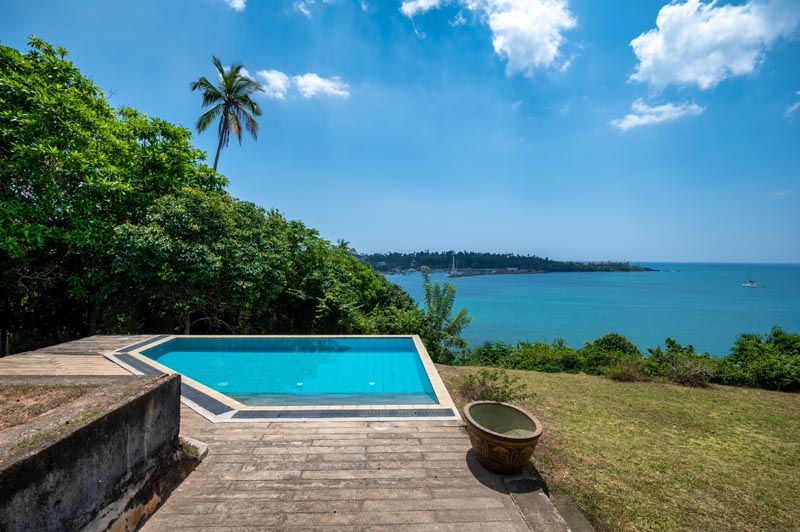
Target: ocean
700 304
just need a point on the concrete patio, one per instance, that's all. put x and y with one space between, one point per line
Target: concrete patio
323 475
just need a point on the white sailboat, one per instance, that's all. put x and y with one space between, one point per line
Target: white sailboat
453 272
750 283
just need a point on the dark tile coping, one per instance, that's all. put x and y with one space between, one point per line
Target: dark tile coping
328 414
137 364
217 408
204 400
142 344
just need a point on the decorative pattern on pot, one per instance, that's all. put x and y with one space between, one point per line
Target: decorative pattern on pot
503 436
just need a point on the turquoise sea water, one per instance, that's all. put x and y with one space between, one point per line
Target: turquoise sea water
298 371
699 304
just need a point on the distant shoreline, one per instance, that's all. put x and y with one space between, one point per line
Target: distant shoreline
469 263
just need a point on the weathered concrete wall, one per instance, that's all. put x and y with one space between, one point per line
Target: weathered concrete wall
86 478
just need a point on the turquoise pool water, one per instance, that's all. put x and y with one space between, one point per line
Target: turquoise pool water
302 371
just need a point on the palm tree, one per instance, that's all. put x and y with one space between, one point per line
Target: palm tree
231 102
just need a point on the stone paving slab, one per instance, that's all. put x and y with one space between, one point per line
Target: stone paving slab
360 476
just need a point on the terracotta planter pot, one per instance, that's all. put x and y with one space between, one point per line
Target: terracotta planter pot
503 436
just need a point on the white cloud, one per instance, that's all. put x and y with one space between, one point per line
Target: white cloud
792 108
697 43
311 85
412 8
302 8
459 20
528 34
782 193
644 114
364 6
276 83
236 5
305 6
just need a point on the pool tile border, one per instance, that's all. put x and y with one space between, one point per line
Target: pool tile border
217 407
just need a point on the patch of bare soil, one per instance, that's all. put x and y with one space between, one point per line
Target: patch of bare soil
21 402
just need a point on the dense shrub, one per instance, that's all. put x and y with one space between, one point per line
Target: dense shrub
552 357
493 385
610 350
681 365
771 361
486 354
627 370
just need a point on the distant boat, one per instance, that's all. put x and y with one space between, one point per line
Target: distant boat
750 283
453 272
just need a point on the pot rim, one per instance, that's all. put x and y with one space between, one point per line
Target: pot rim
471 421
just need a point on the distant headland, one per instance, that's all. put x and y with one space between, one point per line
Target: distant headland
470 263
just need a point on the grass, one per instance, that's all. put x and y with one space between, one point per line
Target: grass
51 433
656 456
21 402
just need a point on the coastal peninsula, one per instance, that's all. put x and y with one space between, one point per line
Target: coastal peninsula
470 263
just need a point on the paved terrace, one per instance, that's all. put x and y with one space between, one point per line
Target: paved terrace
364 476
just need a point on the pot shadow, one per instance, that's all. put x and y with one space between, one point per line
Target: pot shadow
526 481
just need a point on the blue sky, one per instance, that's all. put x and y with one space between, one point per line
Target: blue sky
575 129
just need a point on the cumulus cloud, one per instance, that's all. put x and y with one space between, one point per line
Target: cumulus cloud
644 114
278 85
792 108
275 83
697 43
236 5
528 34
311 85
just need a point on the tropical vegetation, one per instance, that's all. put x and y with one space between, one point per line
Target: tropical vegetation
231 102
113 223
770 361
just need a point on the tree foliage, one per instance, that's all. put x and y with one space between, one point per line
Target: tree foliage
71 169
442 329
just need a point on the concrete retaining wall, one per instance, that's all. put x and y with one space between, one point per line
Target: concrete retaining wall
87 478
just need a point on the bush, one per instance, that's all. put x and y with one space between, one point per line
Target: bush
681 365
554 357
610 350
486 354
493 385
626 370
771 361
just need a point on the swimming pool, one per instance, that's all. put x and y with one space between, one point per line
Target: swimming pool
302 371
250 377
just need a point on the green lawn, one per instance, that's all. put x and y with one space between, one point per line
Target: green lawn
653 456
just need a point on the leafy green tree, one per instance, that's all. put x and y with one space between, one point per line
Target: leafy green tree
210 261
71 169
231 102
442 330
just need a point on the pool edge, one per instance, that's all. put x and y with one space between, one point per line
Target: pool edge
219 408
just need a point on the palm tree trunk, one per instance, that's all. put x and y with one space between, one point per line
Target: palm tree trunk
219 148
